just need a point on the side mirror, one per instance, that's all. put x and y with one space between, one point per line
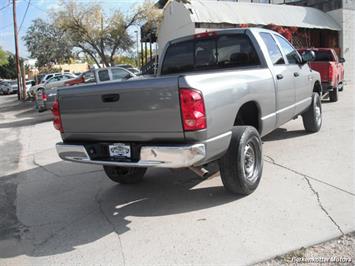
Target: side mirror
308 56
341 60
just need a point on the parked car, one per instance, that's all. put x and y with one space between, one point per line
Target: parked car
215 94
46 77
5 87
130 68
45 98
41 91
331 70
8 87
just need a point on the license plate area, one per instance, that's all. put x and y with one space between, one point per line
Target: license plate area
119 150
101 152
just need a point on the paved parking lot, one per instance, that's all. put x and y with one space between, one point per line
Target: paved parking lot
55 212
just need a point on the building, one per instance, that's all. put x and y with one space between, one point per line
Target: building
326 23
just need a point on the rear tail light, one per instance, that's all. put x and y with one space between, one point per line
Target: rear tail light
330 72
192 109
57 121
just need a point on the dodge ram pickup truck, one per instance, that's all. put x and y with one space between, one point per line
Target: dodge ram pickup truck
331 70
214 96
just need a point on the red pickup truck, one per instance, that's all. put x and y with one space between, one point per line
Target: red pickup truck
331 70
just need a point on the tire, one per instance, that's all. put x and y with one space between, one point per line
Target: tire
241 166
125 175
312 118
333 95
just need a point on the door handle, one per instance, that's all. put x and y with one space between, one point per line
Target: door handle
279 76
296 74
109 98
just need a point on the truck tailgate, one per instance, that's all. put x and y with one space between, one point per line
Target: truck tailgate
323 69
132 110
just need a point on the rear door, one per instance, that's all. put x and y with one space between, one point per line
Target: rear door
284 80
299 73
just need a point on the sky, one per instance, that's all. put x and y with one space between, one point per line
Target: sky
39 9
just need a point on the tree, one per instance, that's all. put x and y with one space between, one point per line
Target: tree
3 57
100 36
8 70
48 43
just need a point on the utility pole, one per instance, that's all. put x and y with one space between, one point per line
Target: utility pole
16 51
136 31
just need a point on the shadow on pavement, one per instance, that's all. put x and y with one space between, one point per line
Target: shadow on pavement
62 208
27 122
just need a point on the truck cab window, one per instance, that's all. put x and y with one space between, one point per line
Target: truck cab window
119 74
291 54
89 77
236 50
103 75
205 53
178 58
272 48
230 50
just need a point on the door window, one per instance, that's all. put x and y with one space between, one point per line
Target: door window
103 75
272 48
119 74
291 54
89 77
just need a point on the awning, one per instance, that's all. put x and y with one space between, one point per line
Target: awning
260 14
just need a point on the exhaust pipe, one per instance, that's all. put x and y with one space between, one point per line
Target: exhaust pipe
200 171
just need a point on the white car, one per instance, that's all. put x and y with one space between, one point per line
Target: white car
55 81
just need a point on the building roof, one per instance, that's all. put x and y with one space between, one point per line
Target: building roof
260 14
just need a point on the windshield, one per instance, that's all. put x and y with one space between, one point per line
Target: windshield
233 50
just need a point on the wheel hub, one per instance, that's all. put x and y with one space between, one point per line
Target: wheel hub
249 161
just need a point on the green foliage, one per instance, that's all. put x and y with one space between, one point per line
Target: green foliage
3 57
48 43
8 71
125 60
100 36
49 69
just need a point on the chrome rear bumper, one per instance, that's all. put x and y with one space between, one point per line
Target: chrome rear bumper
150 156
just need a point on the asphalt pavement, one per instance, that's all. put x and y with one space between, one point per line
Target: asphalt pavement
55 212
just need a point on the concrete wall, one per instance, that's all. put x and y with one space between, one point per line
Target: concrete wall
346 19
174 26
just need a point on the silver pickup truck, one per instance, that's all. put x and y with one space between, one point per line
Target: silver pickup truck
215 95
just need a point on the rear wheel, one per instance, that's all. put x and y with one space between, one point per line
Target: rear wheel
333 95
312 118
125 175
241 166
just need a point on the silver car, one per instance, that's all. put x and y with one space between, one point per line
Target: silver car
8 87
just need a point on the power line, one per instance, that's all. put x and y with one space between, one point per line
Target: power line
2 8
24 16
40 9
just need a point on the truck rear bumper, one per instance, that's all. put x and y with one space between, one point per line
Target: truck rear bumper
178 156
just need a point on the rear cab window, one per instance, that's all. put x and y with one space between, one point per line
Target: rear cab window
324 56
224 51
